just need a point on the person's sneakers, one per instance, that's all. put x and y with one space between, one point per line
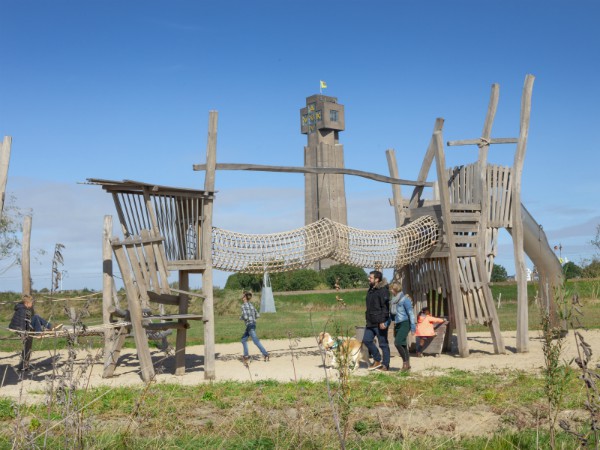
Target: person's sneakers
57 327
375 365
245 359
383 368
405 367
266 358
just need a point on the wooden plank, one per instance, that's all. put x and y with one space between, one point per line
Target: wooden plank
135 311
479 141
182 332
163 299
174 317
314 170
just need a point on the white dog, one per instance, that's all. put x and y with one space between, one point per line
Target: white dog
347 351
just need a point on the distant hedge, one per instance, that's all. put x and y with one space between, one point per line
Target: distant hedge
303 280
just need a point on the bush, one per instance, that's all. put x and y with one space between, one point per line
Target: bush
498 273
348 276
244 281
592 270
572 270
298 280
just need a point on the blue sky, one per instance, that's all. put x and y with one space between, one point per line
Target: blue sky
122 90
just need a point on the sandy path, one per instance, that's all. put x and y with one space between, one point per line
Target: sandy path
306 364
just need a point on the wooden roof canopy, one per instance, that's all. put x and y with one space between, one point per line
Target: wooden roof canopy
175 213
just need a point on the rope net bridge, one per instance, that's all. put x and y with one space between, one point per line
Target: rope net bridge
324 239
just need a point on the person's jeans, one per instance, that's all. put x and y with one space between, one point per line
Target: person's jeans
421 342
38 324
370 334
251 332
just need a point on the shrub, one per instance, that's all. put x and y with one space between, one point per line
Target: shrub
348 276
498 273
592 270
239 281
298 280
572 270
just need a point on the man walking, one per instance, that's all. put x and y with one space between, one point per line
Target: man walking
377 315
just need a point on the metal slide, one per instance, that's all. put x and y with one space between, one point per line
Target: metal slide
538 249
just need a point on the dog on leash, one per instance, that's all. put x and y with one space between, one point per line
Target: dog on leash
348 351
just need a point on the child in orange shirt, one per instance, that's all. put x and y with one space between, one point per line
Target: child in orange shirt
425 332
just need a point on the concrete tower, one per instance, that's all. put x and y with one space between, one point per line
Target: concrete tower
325 196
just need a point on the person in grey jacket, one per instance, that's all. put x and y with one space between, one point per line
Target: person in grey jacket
401 312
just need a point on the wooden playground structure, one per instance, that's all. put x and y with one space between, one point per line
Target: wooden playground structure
443 248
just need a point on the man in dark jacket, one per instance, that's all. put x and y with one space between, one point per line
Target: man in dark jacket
377 314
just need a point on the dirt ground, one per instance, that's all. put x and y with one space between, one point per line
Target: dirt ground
289 361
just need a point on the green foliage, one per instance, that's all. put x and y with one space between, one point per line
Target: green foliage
572 270
592 270
297 280
244 281
11 220
498 273
348 276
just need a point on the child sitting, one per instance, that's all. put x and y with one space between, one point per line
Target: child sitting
25 319
425 332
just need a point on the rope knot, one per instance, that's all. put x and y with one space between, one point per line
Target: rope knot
483 142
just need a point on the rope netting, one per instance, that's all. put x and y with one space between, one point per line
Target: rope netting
300 248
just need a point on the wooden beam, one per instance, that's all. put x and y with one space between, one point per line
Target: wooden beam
427 160
4 162
207 276
459 316
480 141
315 170
517 220
26 257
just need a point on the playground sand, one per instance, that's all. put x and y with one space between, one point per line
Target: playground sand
289 361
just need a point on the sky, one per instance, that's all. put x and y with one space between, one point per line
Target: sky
122 90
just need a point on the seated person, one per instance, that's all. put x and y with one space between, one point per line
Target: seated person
425 332
25 318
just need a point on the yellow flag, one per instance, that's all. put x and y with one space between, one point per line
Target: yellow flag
323 84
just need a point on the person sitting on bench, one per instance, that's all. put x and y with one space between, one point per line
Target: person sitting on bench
425 331
25 319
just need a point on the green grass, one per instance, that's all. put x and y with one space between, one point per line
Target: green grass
256 415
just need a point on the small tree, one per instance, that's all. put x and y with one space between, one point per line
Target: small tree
498 273
345 276
572 270
10 228
596 241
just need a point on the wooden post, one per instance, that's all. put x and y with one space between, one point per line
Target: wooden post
484 146
113 338
184 285
4 161
25 256
399 211
459 317
207 275
517 229
427 160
